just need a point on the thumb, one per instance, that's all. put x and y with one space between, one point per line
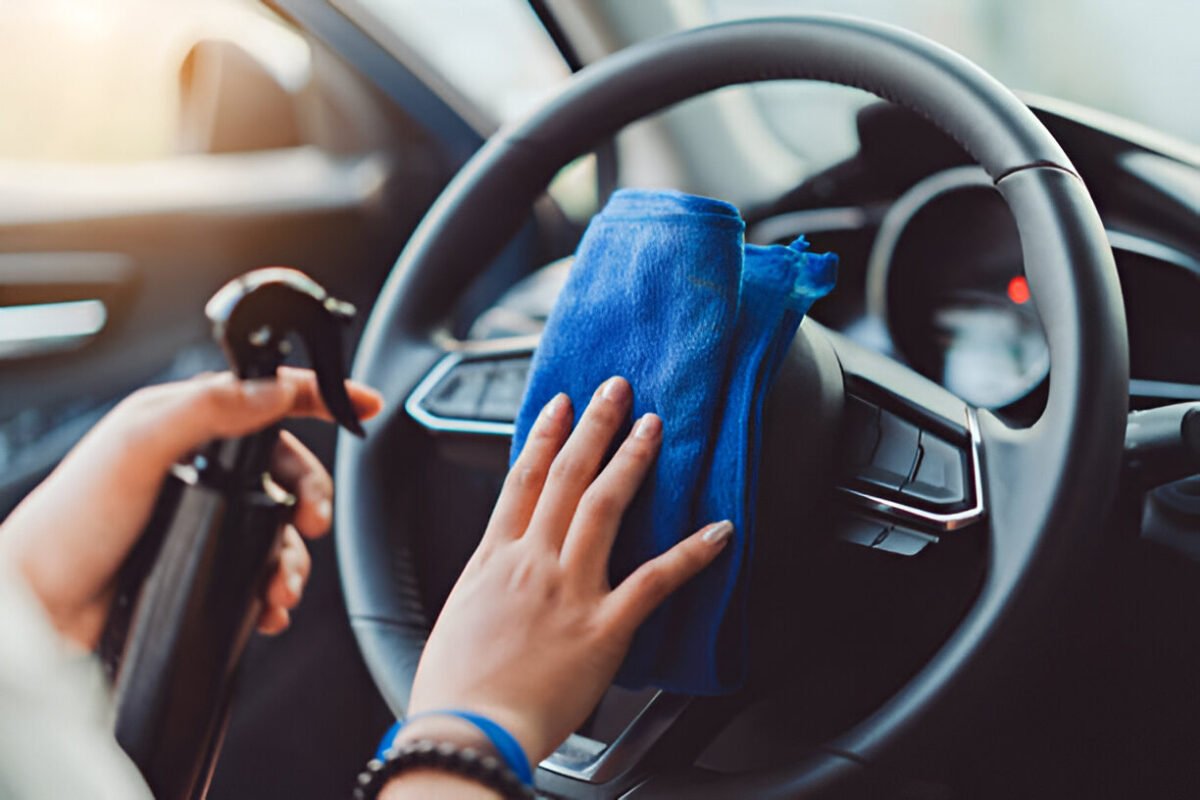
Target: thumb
71 550
165 423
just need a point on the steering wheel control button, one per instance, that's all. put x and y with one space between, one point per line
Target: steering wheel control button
940 477
860 424
895 455
862 531
878 535
459 394
905 542
504 391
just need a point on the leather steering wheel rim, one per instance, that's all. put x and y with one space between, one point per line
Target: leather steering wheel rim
1044 483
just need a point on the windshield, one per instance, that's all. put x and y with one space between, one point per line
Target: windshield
1136 60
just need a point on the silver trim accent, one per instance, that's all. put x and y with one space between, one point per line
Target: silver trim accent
656 717
1166 390
906 514
37 328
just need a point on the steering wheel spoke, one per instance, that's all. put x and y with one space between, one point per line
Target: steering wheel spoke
909 451
664 719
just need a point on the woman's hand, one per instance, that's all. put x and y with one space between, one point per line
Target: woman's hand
532 633
71 534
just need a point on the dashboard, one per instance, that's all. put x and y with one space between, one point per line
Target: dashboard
945 279
944 290
934 275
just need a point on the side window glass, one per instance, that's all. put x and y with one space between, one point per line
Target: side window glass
498 56
100 80
493 51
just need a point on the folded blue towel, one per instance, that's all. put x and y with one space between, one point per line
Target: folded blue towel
664 292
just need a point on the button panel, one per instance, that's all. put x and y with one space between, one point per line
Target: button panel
485 390
860 434
884 536
895 454
905 541
458 394
892 458
940 476
863 531
504 391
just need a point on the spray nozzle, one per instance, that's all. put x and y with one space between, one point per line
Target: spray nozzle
254 314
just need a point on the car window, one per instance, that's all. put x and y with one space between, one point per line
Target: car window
497 55
494 51
98 80
1139 61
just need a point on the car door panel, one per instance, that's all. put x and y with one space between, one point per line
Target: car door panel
151 242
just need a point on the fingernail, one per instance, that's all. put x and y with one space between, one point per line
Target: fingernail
614 388
295 583
718 532
325 509
647 427
555 406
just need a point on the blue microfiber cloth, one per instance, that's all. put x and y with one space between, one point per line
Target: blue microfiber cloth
664 292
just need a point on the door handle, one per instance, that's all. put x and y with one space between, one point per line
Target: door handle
51 302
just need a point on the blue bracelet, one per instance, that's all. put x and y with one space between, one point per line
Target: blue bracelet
507 746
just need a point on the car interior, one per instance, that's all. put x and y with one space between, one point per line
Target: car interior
977 565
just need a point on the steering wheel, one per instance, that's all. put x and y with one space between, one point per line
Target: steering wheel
1033 495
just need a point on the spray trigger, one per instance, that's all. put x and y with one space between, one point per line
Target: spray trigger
254 314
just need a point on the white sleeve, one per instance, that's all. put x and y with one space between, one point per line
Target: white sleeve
55 716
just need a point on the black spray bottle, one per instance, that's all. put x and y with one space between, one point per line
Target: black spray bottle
190 593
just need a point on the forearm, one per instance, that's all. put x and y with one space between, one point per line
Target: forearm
428 784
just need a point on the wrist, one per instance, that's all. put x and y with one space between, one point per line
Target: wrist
442 728
469 728
522 728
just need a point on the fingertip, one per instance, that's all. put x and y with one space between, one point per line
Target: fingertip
553 423
324 512
718 534
274 620
555 410
295 586
615 389
286 590
313 517
292 571
648 428
367 401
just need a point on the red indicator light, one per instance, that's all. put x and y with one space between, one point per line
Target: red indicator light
1018 290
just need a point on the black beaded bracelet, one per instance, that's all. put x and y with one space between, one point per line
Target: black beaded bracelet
467 762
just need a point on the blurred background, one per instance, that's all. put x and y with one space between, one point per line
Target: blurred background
98 79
